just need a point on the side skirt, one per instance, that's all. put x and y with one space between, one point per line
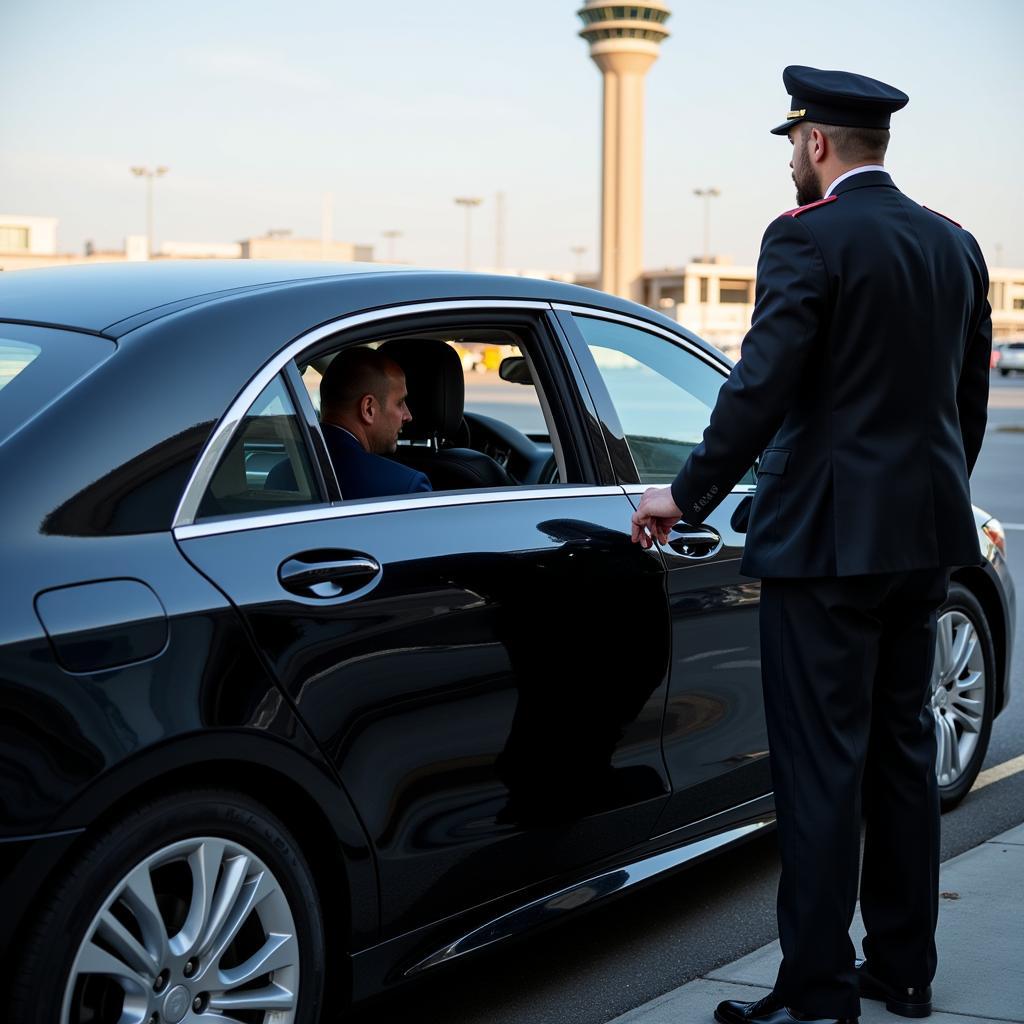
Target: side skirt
409 956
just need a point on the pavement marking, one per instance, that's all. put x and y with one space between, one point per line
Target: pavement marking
998 772
1013 526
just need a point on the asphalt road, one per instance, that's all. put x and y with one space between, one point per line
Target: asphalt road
613 959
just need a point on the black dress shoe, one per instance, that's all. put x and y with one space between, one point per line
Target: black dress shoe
905 1002
769 1010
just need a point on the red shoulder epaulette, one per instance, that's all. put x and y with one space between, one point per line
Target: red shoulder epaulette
944 217
809 206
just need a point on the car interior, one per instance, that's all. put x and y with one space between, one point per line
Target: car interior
479 418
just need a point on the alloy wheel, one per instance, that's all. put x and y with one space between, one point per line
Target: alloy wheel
958 694
199 931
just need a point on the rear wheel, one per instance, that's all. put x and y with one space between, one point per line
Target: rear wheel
962 693
197 907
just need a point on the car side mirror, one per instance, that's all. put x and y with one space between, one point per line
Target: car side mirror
515 370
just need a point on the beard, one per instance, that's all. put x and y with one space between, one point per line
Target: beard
808 189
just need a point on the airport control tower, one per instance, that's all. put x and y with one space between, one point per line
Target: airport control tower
624 42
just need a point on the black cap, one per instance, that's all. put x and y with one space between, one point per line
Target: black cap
838 97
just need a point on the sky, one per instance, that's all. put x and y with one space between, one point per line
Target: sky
396 107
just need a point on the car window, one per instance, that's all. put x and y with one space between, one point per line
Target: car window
505 436
486 392
14 357
267 465
34 373
662 393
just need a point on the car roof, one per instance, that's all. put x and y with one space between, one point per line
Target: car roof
97 296
114 299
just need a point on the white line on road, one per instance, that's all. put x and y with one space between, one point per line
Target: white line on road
998 772
1013 526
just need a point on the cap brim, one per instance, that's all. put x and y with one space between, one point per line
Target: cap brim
783 129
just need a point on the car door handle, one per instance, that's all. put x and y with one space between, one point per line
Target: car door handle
693 541
326 577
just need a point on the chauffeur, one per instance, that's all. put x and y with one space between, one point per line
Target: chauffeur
863 383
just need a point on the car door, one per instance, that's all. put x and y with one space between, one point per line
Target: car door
478 665
654 390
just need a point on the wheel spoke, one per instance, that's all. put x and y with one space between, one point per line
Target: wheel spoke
95 960
954 746
963 647
277 952
204 862
252 893
127 947
272 997
974 680
944 645
970 723
140 899
230 885
941 751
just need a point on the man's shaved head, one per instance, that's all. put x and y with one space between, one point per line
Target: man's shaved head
363 391
353 373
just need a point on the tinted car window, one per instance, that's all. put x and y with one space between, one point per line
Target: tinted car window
14 357
267 465
662 393
36 367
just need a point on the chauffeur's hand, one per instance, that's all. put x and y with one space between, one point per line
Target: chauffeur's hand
655 517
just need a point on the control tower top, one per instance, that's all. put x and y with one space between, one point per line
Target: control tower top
617 28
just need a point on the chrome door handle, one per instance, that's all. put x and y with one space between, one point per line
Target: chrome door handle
694 541
324 577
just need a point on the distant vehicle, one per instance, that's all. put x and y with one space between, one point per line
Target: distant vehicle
1008 357
265 749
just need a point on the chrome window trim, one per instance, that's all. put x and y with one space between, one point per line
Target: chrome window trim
316 513
640 488
645 325
207 462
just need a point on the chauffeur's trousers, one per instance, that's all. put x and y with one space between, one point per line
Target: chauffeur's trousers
846 666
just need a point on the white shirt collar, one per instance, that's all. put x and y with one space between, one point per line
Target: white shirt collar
350 434
850 174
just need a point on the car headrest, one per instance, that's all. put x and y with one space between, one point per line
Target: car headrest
436 385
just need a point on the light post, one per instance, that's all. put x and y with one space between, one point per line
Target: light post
707 194
470 203
391 235
149 175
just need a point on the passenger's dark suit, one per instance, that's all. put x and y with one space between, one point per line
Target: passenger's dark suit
361 474
864 381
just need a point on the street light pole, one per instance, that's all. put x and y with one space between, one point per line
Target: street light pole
470 203
149 175
707 194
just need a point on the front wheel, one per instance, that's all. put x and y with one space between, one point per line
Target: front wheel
962 693
195 908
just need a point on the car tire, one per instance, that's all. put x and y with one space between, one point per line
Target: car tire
129 931
1005 373
962 696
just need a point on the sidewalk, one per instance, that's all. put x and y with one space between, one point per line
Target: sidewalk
980 940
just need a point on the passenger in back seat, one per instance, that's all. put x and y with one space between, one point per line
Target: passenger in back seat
362 412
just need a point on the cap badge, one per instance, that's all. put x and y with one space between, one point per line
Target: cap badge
796 113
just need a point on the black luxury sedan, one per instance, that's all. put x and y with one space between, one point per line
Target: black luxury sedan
265 749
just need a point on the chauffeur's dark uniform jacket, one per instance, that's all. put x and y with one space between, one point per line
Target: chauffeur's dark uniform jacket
864 382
